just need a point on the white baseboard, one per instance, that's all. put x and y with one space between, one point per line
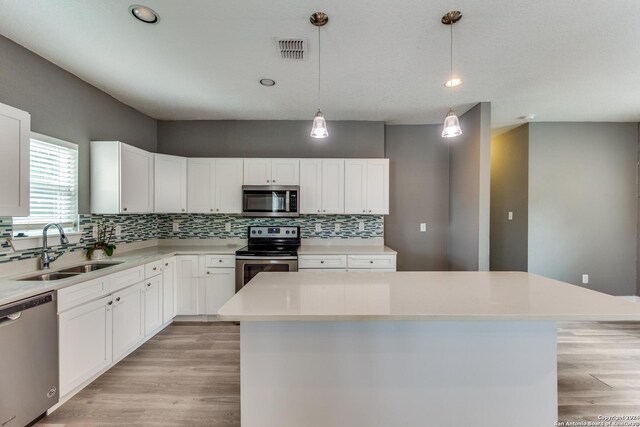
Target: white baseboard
631 298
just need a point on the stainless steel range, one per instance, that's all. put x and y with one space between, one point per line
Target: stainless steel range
269 249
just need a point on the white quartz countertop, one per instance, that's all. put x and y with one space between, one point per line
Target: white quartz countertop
12 289
345 250
420 296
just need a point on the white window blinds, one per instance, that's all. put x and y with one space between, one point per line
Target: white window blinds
54 186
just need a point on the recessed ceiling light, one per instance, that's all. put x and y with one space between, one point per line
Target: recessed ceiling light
144 14
453 82
267 82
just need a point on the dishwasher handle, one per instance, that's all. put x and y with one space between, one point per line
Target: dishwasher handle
13 311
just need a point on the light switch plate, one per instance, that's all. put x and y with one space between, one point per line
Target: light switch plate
423 227
227 227
318 227
94 232
336 228
176 226
510 216
585 278
361 226
118 230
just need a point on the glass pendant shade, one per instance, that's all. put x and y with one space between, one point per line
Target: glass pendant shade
319 129
451 125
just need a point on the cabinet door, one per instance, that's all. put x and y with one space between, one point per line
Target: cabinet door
136 180
152 304
201 190
187 283
128 319
333 186
311 186
15 127
170 184
257 171
378 186
285 171
85 339
229 180
219 287
169 293
355 179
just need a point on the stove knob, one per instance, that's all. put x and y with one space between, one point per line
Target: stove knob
253 232
259 231
287 231
293 232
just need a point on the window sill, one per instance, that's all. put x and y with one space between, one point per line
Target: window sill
32 242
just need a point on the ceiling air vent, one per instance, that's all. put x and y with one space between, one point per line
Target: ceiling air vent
292 49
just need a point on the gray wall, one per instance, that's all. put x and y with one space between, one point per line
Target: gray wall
469 182
419 192
582 203
269 138
65 107
510 193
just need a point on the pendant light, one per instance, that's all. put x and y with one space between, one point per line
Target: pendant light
319 129
451 123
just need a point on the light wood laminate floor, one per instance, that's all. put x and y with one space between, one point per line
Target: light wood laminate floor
189 375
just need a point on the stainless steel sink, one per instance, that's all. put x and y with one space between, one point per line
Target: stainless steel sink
87 268
50 276
70 271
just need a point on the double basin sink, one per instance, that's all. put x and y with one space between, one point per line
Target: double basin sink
70 271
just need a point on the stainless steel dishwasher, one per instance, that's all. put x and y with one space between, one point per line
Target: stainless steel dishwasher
28 359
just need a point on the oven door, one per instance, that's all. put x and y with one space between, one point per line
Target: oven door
248 267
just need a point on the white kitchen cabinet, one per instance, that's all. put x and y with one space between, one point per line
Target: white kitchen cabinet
214 185
170 290
229 178
322 186
372 262
187 284
128 319
85 342
15 128
170 184
152 304
219 287
367 186
271 171
121 178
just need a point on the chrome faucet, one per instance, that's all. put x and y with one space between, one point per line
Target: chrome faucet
45 258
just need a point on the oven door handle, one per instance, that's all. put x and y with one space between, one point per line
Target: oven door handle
263 258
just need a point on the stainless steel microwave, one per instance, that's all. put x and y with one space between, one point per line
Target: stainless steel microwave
270 200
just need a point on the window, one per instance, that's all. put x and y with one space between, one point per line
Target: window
54 185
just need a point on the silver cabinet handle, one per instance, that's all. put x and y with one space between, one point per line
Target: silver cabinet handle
211 210
124 209
363 211
110 303
166 264
208 272
318 210
267 180
324 210
182 210
322 262
117 299
369 210
273 180
370 262
217 210
155 268
148 285
219 260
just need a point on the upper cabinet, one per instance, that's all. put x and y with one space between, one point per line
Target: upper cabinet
170 176
271 171
214 185
322 186
367 186
121 178
15 128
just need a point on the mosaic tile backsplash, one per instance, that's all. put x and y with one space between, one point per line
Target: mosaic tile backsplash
138 228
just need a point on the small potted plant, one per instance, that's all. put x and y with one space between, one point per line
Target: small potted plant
102 247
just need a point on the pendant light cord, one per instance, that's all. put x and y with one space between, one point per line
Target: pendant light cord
451 63
319 69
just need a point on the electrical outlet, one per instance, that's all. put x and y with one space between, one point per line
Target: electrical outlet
318 227
585 278
176 226
336 228
118 230
361 226
227 227
510 216
423 227
94 232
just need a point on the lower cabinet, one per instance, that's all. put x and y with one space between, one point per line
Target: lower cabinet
85 342
128 319
219 287
169 290
152 304
204 283
335 263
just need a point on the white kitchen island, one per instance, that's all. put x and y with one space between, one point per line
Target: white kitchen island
406 349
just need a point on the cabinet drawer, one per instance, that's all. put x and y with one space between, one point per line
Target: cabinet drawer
322 261
126 278
372 261
153 269
212 261
81 293
322 270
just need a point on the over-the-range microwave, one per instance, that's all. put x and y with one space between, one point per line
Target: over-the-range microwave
270 200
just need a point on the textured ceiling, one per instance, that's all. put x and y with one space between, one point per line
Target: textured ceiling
570 60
